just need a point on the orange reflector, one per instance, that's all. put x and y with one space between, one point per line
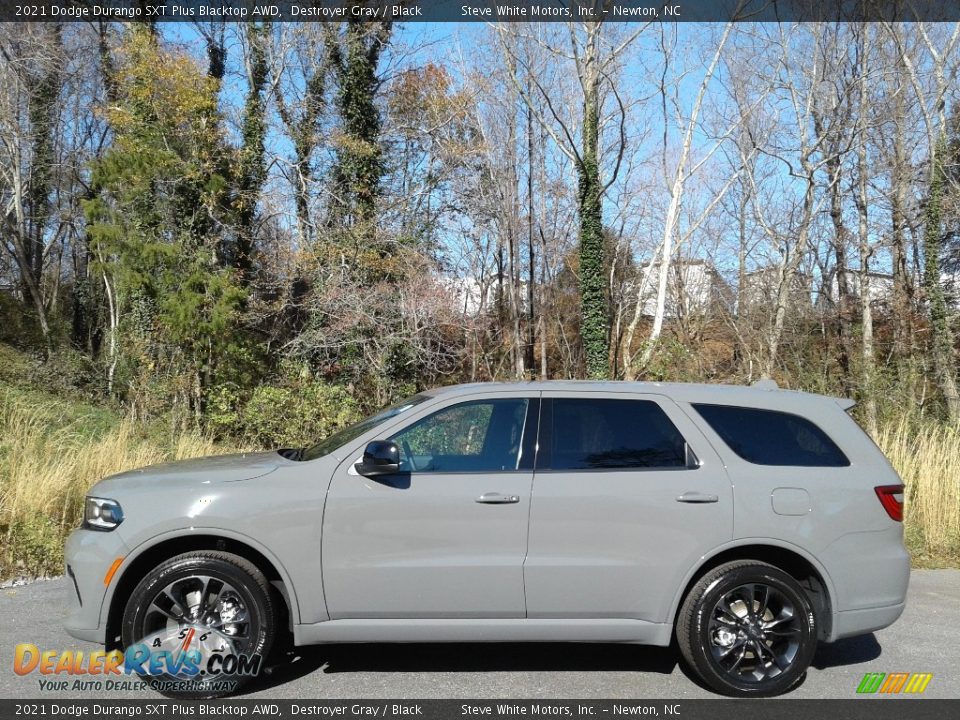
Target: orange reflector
113 569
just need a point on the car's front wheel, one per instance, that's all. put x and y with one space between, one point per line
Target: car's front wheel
747 629
199 625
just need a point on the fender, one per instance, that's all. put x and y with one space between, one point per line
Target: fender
744 542
155 540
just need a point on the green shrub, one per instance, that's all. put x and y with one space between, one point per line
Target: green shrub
281 416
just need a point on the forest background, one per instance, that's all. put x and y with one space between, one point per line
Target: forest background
220 236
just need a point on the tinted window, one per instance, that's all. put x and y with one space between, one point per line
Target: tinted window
596 433
768 437
485 435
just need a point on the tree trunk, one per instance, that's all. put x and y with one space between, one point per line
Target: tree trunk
113 313
868 370
902 283
787 271
843 308
739 349
531 266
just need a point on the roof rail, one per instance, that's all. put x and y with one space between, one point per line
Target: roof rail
766 384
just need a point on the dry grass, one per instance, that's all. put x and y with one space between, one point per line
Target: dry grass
50 455
927 456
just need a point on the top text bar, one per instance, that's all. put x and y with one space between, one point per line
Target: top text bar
482 10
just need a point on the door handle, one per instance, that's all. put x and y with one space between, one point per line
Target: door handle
697 497
495 498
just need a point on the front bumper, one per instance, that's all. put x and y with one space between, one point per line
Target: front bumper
89 555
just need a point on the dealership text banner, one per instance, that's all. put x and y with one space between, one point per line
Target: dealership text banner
481 10
719 709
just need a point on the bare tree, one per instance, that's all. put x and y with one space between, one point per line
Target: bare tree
299 69
804 71
932 103
32 79
902 216
679 167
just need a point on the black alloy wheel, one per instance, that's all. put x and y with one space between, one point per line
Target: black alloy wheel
748 629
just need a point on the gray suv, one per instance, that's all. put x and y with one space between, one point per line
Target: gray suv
750 523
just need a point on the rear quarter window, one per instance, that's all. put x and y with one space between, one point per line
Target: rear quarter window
770 437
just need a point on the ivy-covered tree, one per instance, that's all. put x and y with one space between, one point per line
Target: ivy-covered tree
358 170
594 309
944 365
251 166
157 223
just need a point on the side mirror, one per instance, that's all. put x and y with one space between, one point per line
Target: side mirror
381 457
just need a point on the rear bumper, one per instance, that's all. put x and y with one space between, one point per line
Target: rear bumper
89 554
870 572
868 569
851 623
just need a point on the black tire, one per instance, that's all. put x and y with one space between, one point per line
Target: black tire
764 651
247 585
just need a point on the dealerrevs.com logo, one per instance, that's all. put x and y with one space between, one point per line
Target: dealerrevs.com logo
201 660
894 683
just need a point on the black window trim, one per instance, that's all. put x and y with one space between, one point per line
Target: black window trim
530 433
545 441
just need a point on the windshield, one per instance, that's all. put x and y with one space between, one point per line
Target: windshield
342 437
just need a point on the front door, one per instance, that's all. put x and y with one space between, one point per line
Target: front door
447 536
628 495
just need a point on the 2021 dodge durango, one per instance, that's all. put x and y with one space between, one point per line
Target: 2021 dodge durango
750 523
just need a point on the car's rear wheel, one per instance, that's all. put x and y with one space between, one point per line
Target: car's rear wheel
747 629
201 624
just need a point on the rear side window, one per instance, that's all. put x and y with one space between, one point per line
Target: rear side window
591 434
768 437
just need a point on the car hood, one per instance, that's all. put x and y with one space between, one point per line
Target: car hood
197 471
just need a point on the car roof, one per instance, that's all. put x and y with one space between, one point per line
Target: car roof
760 393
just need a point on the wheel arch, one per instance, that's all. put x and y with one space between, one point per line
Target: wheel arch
152 552
804 568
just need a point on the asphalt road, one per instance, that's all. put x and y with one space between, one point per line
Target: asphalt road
925 639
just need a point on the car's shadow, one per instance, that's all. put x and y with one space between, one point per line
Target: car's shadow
292 663
851 651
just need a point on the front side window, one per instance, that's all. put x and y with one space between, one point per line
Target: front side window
769 437
593 434
477 436
345 435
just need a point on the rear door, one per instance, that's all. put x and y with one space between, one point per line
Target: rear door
627 496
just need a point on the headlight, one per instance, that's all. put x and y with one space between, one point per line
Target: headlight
101 514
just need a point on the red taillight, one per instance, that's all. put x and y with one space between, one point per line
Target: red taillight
891 497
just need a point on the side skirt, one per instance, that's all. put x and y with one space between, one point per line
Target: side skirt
483 630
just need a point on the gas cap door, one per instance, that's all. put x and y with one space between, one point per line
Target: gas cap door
790 501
